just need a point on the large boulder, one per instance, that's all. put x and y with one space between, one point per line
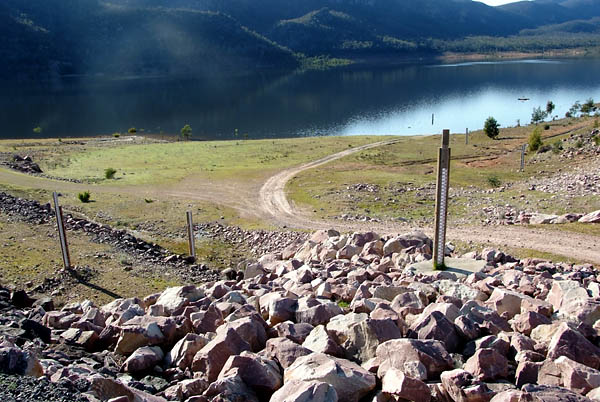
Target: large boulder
305 391
396 383
359 335
260 374
143 359
435 326
462 387
350 381
395 353
13 360
182 354
506 302
174 299
250 328
285 351
487 364
186 389
316 312
570 343
320 341
211 358
133 337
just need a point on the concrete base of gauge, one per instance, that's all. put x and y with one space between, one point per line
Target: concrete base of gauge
461 267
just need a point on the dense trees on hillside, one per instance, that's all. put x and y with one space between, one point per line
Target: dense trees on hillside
116 37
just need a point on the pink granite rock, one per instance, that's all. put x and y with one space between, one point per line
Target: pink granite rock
260 374
350 381
210 359
305 391
487 364
570 343
285 351
396 352
143 359
395 382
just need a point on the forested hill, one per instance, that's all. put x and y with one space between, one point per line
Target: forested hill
49 37
121 37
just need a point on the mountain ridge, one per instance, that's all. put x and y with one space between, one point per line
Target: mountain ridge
119 37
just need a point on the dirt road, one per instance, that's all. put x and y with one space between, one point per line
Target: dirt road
267 202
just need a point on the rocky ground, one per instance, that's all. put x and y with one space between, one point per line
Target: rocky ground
338 318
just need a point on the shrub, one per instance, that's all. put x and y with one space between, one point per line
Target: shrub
109 173
494 181
186 132
132 130
597 140
547 127
37 130
491 127
116 135
535 140
84 197
579 144
557 146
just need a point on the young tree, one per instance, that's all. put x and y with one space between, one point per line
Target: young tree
535 139
550 107
491 127
538 115
186 132
588 106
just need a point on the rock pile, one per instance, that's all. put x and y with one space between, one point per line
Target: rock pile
24 164
341 318
259 242
34 212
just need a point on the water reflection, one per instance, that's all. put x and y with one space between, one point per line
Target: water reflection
397 100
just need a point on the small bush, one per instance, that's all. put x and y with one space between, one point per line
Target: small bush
535 140
109 173
579 144
547 127
557 146
148 200
597 140
37 130
84 197
494 181
132 130
116 135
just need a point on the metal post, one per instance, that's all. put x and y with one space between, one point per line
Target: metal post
190 227
64 247
467 136
441 202
432 115
523 148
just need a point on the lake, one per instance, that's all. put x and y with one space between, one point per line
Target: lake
397 100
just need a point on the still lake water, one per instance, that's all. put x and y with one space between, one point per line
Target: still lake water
349 101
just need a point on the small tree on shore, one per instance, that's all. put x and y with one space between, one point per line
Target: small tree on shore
491 127
588 106
186 132
550 108
538 115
